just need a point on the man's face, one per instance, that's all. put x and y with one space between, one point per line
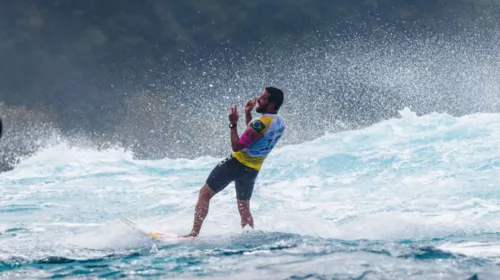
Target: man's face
263 102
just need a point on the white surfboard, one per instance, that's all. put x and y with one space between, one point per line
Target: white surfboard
142 229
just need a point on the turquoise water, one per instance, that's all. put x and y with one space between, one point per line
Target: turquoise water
407 198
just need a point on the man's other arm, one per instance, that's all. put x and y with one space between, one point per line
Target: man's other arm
250 136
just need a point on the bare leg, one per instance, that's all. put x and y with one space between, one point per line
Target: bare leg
201 210
246 216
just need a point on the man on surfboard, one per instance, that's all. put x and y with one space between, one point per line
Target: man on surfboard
248 154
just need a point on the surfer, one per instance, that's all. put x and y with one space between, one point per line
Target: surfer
248 154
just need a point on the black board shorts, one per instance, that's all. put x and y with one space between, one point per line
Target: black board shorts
231 170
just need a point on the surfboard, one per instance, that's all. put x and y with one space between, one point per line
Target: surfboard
142 229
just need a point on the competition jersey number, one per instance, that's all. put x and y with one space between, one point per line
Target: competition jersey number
271 143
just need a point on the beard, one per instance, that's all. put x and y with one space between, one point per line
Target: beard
260 109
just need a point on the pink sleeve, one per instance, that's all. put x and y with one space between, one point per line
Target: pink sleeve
246 138
250 136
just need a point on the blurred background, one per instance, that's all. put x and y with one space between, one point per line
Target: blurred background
158 77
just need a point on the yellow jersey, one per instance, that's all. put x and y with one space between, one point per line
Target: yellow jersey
270 127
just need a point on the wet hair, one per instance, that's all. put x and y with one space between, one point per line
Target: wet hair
276 96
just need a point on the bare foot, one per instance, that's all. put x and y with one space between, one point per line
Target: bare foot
192 234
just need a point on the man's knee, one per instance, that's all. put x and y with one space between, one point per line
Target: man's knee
243 205
206 192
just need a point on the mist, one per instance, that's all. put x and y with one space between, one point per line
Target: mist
174 101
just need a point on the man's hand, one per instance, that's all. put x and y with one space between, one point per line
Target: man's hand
233 116
249 105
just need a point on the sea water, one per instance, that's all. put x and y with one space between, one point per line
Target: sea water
415 197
